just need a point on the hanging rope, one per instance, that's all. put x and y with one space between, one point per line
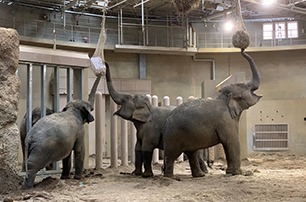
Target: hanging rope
97 59
241 37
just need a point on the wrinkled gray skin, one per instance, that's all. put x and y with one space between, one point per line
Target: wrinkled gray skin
54 137
148 121
36 115
203 123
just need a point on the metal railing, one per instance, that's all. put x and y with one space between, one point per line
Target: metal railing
157 35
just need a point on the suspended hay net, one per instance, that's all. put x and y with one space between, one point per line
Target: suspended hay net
241 38
185 6
97 59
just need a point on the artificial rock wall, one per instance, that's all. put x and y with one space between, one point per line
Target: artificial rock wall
9 96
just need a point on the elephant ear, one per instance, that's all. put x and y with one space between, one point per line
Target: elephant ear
141 114
233 105
88 116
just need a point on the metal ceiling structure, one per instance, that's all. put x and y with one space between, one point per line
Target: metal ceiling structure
194 10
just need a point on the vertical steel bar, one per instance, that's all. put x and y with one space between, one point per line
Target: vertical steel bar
29 95
43 90
121 27
56 89
69 93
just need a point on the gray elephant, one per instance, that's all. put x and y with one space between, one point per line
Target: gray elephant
148 121
203 123
54 137
36 115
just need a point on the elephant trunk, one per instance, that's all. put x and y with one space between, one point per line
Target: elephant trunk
117 97
91 97
255 82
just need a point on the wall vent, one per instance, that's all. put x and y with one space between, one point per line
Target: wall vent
271 137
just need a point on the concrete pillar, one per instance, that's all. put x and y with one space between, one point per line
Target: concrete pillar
133 142
113 133
124 142
179 101
100 128
155 158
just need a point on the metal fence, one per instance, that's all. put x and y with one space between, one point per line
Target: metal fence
132 34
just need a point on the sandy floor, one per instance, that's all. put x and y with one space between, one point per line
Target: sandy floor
267 177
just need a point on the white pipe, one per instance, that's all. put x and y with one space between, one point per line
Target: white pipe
213 67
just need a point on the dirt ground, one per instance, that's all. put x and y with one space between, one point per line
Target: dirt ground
267 177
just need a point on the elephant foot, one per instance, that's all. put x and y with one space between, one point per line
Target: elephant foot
65 177
137 172
199 174
77 177
234 171
147 174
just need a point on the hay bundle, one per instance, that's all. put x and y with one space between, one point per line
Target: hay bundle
185 6
241 39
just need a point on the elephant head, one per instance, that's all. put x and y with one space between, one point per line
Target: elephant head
83 107
133 107
241 96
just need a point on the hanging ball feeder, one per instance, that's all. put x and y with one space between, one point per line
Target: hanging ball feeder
241 39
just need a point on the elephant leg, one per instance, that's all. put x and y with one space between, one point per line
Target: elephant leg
33 166
231 147
147 160
66 167
138 159
79 155
138 163
193 158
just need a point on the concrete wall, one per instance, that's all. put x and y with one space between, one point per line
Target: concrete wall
283 82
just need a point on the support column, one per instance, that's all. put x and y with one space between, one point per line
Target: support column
113 138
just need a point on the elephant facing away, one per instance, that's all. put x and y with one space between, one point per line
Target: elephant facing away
54 137
203 123
36 115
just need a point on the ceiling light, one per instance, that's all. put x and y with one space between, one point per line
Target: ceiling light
228 26
268 2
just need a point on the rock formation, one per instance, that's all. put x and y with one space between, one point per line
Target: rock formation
9 96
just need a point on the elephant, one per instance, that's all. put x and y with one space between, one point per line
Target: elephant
54 137
202 123
148 121
36 115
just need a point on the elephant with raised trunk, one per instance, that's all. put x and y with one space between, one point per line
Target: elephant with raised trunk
148 120
54 137
203 123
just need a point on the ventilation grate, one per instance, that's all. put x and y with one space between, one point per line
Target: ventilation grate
271 137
